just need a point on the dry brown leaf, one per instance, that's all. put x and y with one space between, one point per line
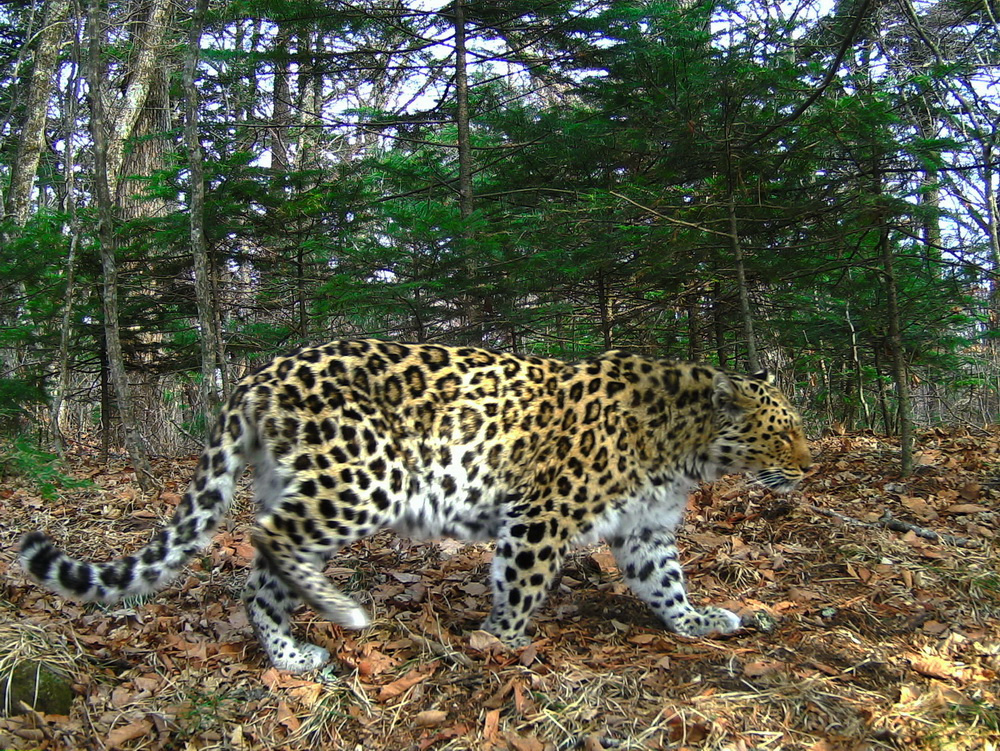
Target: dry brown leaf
491 725
307 696
644 638
801 594
528 655
966 508
127 733
286 717
758 668
484 641
430 718
375 663
408 681
918 506
708 539
524 743
476 589
605 561
971 491
934 667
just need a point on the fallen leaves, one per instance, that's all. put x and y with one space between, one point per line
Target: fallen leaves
870 630
122 734
406 682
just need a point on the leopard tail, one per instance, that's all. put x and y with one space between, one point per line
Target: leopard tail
196 518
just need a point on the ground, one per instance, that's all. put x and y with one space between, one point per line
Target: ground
859 637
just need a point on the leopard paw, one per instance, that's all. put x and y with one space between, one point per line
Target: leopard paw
704 621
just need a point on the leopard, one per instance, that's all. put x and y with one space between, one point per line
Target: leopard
538 454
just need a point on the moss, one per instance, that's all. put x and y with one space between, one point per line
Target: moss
38 685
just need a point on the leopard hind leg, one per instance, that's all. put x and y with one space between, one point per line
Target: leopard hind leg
269 602
313 519
301 570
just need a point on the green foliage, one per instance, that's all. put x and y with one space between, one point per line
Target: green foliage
21 457
16 396
609 142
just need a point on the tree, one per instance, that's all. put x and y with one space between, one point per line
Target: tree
210 344
103 169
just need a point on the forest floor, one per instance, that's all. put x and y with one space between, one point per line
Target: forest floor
863 637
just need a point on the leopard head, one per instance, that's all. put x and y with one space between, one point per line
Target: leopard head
758 431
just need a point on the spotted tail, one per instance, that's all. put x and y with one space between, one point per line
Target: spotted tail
153 567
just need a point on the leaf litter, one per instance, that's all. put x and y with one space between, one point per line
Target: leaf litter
862 631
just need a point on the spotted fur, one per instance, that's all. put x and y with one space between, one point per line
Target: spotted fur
538 454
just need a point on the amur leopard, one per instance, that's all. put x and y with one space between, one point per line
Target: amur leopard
352 437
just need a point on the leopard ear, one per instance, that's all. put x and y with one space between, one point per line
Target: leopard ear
763 375
726 398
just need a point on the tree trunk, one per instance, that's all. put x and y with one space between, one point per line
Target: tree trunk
281 106
473 306
106 403
29 146
606 313
746 314
462 115
695 350
65 329
199 246
898 363
125 114
69 206
116 362
718 326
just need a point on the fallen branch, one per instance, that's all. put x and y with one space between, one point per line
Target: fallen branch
888 521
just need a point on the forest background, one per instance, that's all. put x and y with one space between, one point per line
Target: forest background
192 187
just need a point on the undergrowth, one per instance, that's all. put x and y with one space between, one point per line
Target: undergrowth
20 457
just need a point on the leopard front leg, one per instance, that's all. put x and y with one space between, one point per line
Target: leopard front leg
647 558
525 565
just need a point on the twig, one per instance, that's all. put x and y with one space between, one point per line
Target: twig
888 521
439 649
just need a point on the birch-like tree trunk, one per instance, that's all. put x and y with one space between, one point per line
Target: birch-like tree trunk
134 442
124 114
196 213
29 146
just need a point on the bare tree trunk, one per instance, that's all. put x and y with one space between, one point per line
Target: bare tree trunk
462 115
695 346
993 229
65 328
718 326
473 305
746 314
126 113
281 103
857 376
898 363
66 324
196 212
106 402
29 147
606 313
134 442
